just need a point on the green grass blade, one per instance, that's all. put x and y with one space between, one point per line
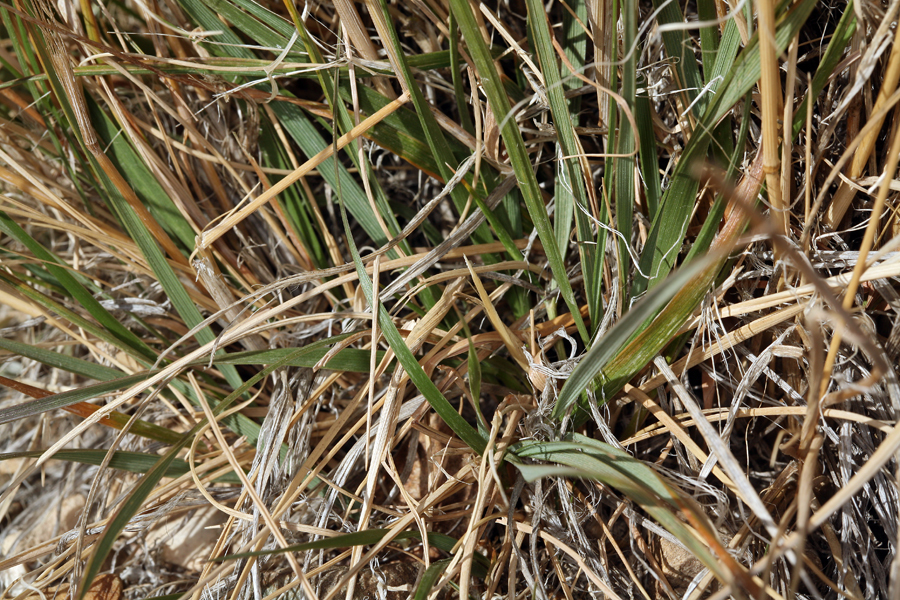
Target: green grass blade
58 360
226 42
401 132
834 53
252 25
41 405
575 43
79 293
133 168
609 346
723 145
717 210
350 360
73 317
648 158
475 382
430 578
709 36
294 200
667 231
570 185
434 135
416 374
456 73
114 419
133 462
745 71
292 117
441 151
653 337
311 142
515 147
163 271
134 503
584 457
126 214
343 123
679 48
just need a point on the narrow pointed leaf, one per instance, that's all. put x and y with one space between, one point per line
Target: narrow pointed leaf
134 462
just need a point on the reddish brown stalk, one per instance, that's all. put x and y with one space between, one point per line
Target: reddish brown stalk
743 197
62 67
81 409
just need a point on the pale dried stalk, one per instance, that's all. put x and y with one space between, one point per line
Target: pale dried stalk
770 89
208 237
678 432
510 340
720 450
845 194
724 343
884 453
476 524
890 168
594 578
787 142
715 415
837 283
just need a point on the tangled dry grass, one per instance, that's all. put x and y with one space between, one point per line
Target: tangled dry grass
447 299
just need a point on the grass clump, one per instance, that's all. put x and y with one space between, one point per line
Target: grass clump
441 299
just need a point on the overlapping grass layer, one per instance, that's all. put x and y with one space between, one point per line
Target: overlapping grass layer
413 299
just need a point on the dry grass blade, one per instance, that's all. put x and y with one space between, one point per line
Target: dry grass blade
512 343
865 247
839 204
426 248
230 221
719 450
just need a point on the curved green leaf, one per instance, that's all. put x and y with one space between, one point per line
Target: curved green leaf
608 347
584 457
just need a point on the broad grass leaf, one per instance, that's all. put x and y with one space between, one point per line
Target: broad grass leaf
430 578
603 350
666 234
